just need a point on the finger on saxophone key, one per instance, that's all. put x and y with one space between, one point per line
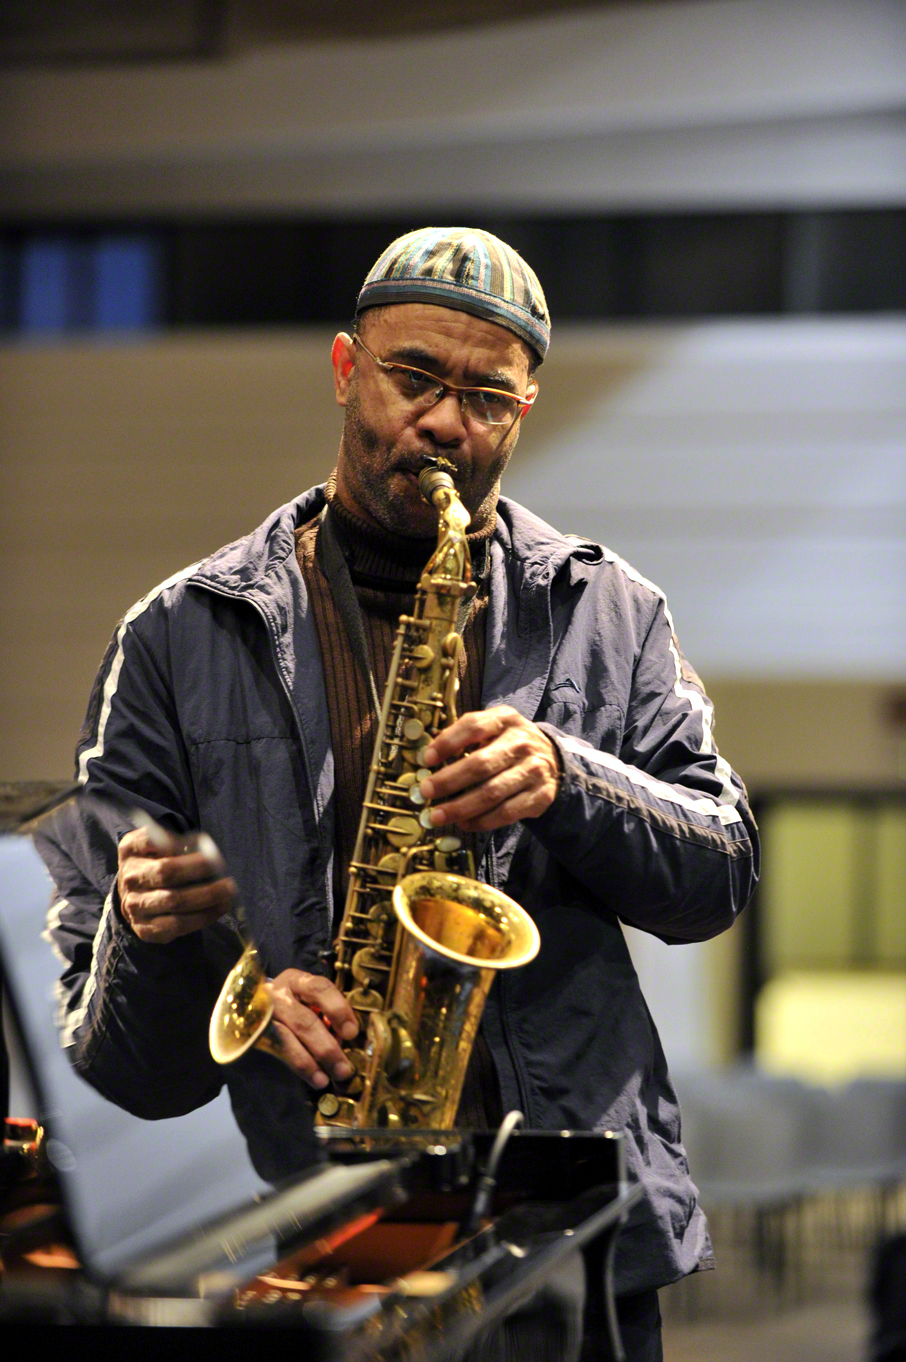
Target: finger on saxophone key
313 1013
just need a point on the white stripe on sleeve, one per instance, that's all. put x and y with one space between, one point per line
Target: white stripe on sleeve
54 913
113 675
77 1017
670 794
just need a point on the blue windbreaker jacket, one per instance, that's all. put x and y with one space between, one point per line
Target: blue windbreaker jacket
209 711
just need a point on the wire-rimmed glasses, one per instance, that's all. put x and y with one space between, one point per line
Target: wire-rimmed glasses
489 406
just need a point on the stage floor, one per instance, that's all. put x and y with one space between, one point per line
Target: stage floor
828 1331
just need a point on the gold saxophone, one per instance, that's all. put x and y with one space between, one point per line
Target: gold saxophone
420 941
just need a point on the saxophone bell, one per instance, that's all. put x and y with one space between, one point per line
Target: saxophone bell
456 933
243 1015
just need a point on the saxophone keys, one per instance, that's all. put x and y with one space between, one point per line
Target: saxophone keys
328 1104
403 830
424 818
367 967
354 1086
391 864
422 656
390 1043
448 844
403 1055
413 729
378 917
364 999
415 795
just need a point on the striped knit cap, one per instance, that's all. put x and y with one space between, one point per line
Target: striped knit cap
466 269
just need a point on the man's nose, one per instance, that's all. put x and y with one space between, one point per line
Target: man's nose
445 420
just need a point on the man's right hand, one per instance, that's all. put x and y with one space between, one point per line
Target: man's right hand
166 889
312 1016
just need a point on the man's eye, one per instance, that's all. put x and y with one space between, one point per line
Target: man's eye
495 404
414 384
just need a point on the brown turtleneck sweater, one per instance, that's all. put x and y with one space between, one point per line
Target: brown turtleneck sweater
385 570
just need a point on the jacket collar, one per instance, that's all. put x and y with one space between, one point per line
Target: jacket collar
530 541
256 566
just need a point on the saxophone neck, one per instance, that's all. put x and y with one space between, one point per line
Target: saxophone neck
436 485
435 482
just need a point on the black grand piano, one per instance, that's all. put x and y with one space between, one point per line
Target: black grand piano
427 1246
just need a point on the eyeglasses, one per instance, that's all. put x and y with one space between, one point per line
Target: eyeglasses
421 390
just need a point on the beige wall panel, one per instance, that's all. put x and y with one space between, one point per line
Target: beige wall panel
806 733
121 464
890 873
810 886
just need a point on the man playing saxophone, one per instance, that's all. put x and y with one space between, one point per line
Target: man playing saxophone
241 697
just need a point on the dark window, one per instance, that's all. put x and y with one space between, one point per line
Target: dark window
115 276
64 281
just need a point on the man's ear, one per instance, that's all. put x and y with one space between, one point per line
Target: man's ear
342 356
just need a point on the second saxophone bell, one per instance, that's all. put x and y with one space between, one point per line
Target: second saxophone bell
243 1017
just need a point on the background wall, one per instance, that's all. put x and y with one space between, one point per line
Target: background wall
703 102
753 470
753 466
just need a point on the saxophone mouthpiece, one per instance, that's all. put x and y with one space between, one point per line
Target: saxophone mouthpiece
436 476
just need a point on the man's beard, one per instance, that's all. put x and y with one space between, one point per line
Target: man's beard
372 462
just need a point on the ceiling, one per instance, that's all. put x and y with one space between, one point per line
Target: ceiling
662 106
92 32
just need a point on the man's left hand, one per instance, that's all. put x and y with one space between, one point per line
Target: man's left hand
503 768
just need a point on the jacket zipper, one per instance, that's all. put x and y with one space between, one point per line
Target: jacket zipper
272 643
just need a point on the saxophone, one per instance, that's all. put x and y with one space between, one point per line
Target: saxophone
420 939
